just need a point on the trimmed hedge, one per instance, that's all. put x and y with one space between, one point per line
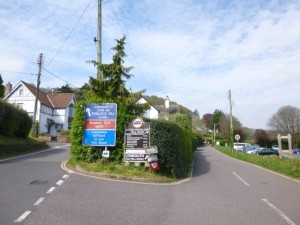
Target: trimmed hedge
175 144
175 147
14 121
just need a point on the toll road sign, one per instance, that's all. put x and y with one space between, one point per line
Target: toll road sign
100 124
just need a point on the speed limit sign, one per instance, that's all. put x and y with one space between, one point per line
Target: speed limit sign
237 137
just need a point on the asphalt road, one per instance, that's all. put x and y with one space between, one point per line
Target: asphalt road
221 191
25 180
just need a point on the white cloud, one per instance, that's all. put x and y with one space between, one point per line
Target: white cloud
193 51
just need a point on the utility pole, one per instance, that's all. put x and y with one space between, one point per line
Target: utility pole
39 62
99 40
214 134
231 126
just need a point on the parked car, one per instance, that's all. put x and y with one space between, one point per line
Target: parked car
240 146
252 149
275 147
296 151
267 151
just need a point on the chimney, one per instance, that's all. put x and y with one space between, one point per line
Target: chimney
167 102
8 88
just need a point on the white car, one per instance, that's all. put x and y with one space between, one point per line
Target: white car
240 146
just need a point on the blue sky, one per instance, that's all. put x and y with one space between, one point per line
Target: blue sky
193 51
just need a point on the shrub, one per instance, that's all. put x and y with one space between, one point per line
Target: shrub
14 121
175 147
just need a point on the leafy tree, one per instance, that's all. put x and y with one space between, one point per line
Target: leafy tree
197 123
207 117
216 118
2 87
183 121
65 89
224 129
240 132
287 121
261 137
110 89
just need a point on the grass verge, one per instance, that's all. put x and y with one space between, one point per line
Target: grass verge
14 146
286 166
121 171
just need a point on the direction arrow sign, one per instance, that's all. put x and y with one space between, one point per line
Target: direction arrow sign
100 124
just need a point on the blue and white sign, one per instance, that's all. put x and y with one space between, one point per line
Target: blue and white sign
100 124
105 111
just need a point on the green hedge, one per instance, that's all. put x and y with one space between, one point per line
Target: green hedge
14 121
175 147
89 153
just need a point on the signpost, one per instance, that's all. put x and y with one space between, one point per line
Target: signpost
137 140
100 125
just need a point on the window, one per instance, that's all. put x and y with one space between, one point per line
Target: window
21 92
71 110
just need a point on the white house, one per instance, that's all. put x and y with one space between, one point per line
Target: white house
55 111
152 112
159 111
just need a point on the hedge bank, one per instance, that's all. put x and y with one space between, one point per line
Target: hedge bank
14 121
175 145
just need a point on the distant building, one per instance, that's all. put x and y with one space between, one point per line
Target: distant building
55 111
160 111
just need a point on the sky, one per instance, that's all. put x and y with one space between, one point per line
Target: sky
193 51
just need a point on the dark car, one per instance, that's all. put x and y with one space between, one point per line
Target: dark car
267 151
296 151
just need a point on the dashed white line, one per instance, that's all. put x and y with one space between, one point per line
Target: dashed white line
39 201
50 190
281 214
241 179
66 176
60 182
22 217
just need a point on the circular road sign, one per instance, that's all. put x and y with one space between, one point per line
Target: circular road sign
237 137
137 123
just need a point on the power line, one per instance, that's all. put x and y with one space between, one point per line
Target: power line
9 71
122 30
59 77
70 33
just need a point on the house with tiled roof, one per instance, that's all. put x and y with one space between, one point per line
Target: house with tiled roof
55 111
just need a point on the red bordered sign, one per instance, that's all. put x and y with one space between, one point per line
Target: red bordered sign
137 123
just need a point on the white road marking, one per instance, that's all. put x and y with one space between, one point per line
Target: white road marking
50 190
241 179
281 214
39 201
35 153
66 176
22 217
60 182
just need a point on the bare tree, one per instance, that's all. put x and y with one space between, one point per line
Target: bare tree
287 121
